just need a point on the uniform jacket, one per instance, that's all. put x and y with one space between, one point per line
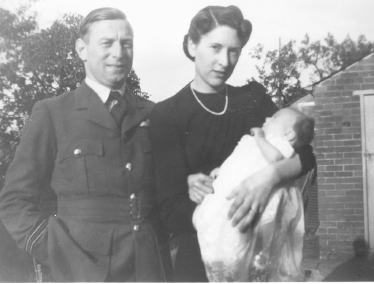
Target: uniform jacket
73 145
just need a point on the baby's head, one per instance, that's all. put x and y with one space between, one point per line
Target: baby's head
291 124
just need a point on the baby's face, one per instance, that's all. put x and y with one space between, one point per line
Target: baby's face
280 122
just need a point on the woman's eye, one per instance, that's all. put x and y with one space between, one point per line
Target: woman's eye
216 47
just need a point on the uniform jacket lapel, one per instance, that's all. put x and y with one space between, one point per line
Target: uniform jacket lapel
97 112
137 111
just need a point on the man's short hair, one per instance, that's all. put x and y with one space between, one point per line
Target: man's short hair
100 14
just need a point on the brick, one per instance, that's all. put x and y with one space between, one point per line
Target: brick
343 199
359 199
326 150
358 80
324 188
333 131
341 99
334 155
342 136
328 224
367 86
358 186
326 174
343 161
358 174
351 143
354 205
328 236
351 104
327 137
333 168
333 193
353 193
325 162
335 180
344 174
330 205
358 211
344 186
335 217
349 74
352 167
369 80
353 87
352 155
328 82
332 230
353 180
353 218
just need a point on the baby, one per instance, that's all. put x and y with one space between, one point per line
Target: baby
271 250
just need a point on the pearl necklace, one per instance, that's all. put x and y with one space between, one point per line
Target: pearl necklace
208 110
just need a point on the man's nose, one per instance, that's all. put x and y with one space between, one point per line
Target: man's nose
118 50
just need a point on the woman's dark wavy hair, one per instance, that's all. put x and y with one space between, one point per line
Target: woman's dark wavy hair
212 16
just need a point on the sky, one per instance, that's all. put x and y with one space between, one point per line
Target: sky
160 25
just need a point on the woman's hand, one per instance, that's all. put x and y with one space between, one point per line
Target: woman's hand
251 197
199 185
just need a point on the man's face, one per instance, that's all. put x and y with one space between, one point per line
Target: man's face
107 52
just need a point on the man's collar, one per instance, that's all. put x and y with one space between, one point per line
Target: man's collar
103 91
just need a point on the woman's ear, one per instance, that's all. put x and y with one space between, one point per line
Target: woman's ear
191 47
81 49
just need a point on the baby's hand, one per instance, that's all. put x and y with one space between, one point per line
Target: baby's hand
214 173
256 131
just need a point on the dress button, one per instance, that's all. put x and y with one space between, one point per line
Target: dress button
136 228
132 196
129 166
77 152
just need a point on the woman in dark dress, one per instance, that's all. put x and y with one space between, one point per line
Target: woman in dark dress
194 131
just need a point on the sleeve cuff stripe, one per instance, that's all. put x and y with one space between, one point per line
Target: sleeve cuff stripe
35 240
41 227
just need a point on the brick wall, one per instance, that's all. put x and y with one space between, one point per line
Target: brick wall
339 156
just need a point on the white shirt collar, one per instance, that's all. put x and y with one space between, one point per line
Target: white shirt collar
101 90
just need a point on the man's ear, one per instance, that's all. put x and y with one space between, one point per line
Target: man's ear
81 49
290 135
191 47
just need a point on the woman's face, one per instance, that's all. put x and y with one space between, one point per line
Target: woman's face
216 56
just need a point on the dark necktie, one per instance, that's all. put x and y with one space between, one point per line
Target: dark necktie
117 106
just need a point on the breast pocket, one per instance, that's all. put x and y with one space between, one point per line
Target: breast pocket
80 166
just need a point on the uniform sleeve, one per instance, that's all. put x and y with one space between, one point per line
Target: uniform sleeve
176 209
27 177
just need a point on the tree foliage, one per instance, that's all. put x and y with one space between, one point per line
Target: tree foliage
281 70
327 57
35 64
280 73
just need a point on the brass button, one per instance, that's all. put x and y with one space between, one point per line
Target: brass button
129 166
136 228
132 196
77 152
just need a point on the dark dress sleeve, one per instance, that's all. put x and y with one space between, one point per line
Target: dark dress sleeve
307 158
175 207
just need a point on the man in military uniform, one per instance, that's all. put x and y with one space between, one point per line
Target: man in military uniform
92 147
